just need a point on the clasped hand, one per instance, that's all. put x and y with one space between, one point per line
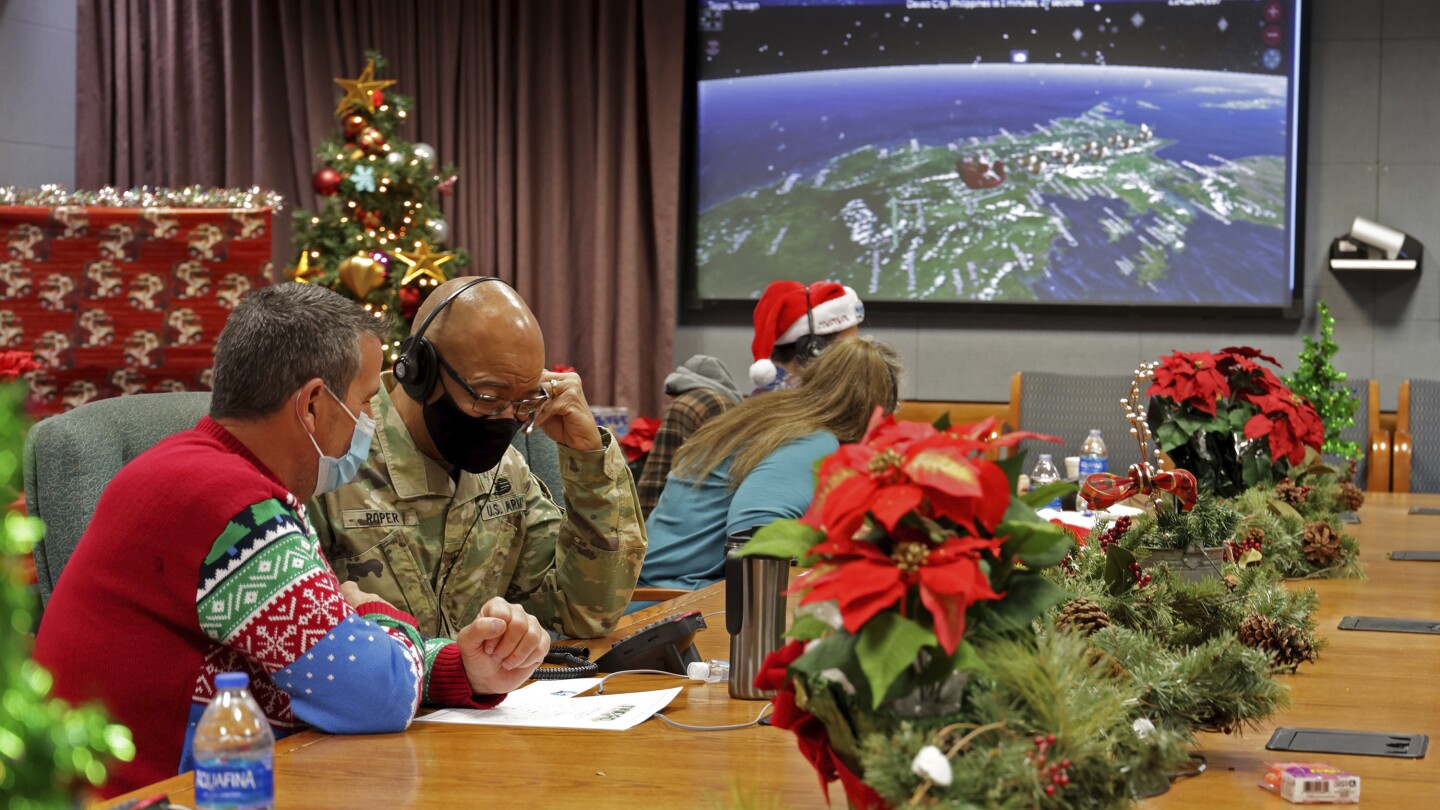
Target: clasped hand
500 648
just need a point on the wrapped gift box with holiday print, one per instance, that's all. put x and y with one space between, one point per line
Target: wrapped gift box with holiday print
124 300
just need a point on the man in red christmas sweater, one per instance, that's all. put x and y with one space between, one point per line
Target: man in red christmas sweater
200 560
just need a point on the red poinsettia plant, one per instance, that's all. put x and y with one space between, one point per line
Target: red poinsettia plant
1230 420
916 545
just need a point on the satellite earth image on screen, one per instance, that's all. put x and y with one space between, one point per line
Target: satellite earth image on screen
1106 184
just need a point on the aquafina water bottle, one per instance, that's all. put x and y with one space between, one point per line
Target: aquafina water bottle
234 750
1093 458
1045 473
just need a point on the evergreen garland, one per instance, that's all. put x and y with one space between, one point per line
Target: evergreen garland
1317 380
48 750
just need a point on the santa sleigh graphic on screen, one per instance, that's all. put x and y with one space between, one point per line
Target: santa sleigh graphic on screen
980 172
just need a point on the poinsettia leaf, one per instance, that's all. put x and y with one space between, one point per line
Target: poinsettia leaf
1279 507
1238 418
835 651
1170 436
942 423
888 645
944 469
1118 578
1190 424
807 628
1027 595
784 539
1038 545
1014 467
1037 498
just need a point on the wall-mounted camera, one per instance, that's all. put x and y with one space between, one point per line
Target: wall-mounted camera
1372 246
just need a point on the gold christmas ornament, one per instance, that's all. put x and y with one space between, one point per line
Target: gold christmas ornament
423 262
361 274
358 92
300 272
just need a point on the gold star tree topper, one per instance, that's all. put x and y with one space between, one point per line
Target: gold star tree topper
359 92
423 262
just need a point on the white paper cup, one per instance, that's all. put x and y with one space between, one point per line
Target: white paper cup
1072 467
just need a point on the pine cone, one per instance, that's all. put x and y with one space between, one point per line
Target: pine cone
1289 492
1321 544
1096 657
1287 646
1084 614
1257 631
1291 648
1351 497
1255 535
1231 582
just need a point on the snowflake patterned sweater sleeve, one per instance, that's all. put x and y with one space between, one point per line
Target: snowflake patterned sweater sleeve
266 592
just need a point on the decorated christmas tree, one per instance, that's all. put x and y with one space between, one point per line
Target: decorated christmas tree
1319 381
378 236
48 749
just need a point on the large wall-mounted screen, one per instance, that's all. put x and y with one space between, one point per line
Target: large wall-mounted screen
1124 152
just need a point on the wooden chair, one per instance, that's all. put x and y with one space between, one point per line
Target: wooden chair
1417 424
1068 406
1373 470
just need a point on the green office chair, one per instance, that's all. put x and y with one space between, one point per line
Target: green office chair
69 458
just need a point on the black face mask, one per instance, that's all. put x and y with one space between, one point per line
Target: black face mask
475 444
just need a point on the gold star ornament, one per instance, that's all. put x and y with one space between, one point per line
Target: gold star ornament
301 272
358 92
423 262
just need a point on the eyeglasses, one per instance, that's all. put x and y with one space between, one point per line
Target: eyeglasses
486 405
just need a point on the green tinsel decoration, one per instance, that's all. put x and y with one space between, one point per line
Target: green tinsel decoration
1317 380
48 750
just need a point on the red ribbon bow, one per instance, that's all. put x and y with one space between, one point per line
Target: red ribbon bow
1103 490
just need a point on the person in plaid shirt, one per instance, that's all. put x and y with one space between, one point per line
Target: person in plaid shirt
702 388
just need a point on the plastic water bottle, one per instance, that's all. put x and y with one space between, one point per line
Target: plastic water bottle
1093 459
234 750
711 671
1044 473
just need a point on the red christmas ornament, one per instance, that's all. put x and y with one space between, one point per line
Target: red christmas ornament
370 219
410 299
327 181
353 125
377 97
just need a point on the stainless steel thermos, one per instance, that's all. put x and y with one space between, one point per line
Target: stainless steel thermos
754 614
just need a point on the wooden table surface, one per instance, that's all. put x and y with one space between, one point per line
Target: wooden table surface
1364 680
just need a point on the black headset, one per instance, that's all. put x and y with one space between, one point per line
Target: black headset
417 367
809 346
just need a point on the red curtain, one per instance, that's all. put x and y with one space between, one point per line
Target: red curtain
563 116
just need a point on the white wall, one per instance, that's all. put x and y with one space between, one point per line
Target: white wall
37 92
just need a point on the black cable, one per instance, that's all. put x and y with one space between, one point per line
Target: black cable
566 662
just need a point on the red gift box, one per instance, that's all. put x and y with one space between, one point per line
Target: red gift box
116 301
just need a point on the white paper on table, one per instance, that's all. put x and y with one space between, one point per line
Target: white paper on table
539 706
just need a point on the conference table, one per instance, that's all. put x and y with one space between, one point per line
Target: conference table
1373 681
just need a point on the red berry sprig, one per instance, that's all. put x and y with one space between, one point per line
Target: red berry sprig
1058 773
1114 532
1233 551
1141 578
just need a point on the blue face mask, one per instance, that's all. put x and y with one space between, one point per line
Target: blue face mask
334 473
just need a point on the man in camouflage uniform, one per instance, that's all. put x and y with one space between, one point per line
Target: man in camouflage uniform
445 514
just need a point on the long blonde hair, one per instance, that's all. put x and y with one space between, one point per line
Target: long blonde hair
838 394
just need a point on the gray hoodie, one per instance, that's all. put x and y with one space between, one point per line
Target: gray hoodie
702 371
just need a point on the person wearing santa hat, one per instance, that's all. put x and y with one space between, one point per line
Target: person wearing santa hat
794 323
755 463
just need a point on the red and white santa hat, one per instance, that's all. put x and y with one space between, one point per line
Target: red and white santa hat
780 319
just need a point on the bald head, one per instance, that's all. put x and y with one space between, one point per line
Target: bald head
489 336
